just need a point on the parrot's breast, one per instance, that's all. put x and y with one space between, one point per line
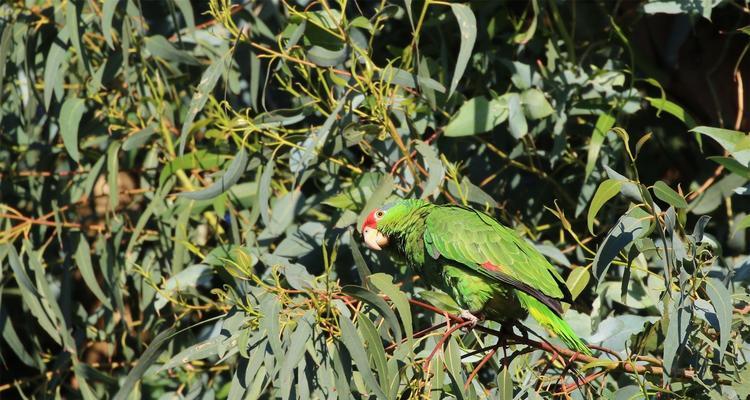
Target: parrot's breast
475 293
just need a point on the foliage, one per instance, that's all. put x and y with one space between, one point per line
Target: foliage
182 184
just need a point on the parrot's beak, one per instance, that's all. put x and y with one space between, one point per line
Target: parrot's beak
374 239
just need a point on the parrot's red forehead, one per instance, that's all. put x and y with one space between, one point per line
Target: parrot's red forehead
370 220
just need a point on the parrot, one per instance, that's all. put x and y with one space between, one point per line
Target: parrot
487 268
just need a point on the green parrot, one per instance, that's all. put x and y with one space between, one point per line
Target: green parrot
486 267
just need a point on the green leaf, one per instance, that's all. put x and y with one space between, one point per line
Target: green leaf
85 266
187 12
113 168
147 358
70 119
295 352
137 139
577 281
264 192
296 35
625 231
743 224
535 104
732 165
208 81
664 193
630 392
160 47
516 119
374 347
5 41
606 191
12 340
440 300
355 196
359 261
108 13
471 193
721 299
301 159
16 265
72 20
396 76
528 34
604 123
200 159
467 24
189 277
735 142
478 115
379 304
54 76
504 385
385 284
282 214
353 343
664 105
676 336
434 168
327 58
231 175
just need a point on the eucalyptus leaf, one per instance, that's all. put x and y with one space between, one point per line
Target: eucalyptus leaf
70 120
231 175
467 25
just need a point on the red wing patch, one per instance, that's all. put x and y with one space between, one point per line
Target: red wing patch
490 266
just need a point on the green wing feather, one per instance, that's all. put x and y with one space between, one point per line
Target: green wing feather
474 238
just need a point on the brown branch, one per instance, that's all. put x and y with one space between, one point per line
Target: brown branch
589 378
512 338
439 345
480 365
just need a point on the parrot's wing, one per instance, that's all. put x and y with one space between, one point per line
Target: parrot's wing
483 245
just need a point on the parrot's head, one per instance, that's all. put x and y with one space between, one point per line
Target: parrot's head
374 238
387 221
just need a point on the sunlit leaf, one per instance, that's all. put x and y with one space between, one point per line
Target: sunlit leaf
467 25
606 191
625 231
604 123
478 115
668 195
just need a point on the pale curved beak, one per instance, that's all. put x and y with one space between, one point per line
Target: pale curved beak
374 239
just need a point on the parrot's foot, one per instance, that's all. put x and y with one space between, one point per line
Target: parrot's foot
468 316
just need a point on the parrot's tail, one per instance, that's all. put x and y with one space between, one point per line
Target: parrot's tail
551 321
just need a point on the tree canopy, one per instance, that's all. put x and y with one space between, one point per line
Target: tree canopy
182 183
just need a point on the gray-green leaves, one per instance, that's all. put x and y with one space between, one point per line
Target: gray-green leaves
231 175
70 120
721 299
467 24
625 231
477 115
607 190
668 195
208 81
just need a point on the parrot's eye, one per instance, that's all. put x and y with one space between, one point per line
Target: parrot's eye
379 214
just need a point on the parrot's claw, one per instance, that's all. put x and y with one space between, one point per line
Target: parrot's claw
468 316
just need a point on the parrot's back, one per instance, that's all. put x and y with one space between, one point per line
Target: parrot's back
490 270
